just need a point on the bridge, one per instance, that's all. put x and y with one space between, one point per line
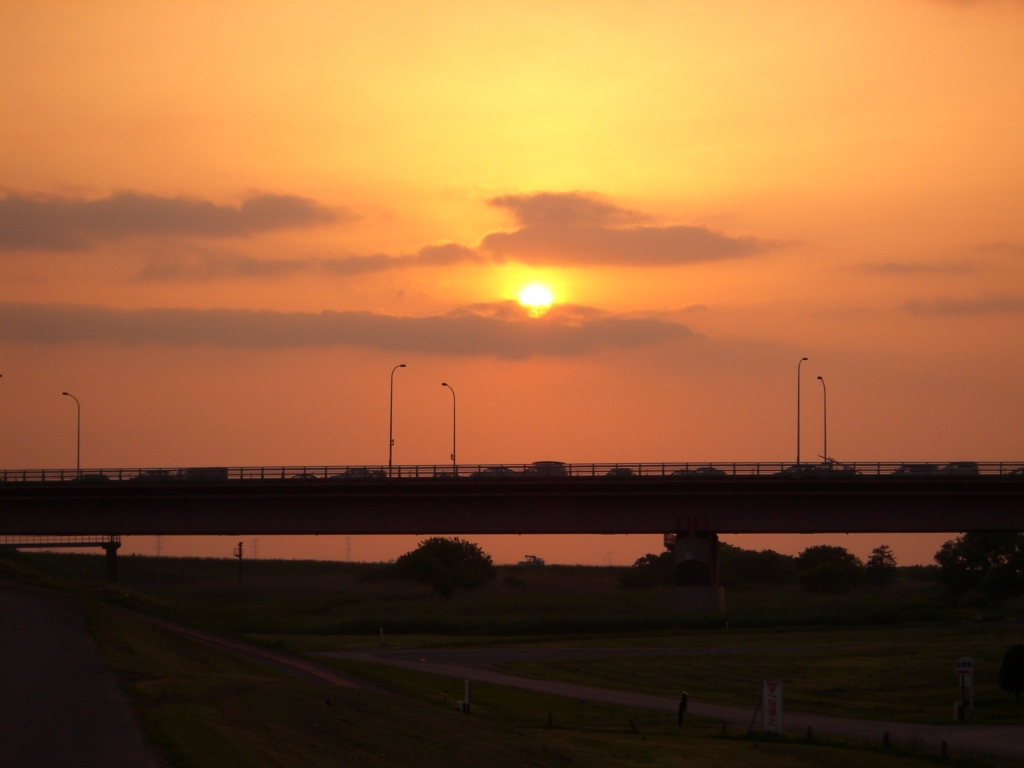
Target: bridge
690 504
543 497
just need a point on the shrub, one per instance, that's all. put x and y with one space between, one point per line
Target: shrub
989 561
446 564
1011 673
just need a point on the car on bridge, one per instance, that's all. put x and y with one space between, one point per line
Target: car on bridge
961 468
620 472
154 476
495 473
917 469
359 473
304 476
698 471
203 474
548 469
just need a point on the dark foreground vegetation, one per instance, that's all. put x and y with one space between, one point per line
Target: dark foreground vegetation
875 650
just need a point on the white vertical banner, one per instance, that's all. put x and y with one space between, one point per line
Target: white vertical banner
771 706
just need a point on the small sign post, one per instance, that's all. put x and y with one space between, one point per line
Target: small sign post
964 668
771 706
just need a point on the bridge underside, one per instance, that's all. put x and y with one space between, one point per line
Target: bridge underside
740 504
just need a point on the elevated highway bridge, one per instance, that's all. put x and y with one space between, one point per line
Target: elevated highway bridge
544 497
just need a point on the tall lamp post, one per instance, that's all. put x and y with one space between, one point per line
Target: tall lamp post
391 415
78 444
802 361
455 469
824 406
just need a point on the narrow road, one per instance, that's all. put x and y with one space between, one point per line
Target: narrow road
474 664
60 705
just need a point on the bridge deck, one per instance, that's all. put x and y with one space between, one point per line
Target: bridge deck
548 498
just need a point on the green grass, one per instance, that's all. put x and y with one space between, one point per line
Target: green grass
329 598
899 673
203 707
856 655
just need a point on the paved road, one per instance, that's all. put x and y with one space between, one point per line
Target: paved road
60 705
474 664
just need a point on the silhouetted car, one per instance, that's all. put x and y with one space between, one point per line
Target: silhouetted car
548 469
304 476
92 477
360 473
1017 472
154 476
961 468
619 472
203 474
690 471
495 472
917 469
828 469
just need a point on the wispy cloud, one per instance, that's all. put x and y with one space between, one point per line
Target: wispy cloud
213 266
976 306
70 224
920 268
501 329
578 228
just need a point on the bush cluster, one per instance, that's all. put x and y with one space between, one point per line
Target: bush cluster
446 564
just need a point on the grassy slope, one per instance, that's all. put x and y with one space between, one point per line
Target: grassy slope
900 670
203 707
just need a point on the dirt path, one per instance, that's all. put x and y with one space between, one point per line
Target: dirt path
60 704
473 664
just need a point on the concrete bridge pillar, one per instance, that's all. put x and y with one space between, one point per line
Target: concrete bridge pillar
696 572
111 548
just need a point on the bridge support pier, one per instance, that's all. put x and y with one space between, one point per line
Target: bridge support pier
111 548
696 574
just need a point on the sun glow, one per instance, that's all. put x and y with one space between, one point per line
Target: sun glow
536 298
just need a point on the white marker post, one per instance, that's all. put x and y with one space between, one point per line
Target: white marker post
964 668
771 706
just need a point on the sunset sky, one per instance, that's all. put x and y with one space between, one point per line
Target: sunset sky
221 226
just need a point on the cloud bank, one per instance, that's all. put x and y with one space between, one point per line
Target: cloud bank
68 224
582 229
500 329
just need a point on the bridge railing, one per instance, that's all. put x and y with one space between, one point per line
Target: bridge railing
545 470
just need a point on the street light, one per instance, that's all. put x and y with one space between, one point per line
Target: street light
824 405
78 450
391 415
455 470
802 361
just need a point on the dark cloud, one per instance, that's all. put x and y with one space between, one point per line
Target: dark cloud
500 329
951 307
919 268
212 266
69 224
575 228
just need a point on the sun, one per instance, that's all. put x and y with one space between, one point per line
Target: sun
536 298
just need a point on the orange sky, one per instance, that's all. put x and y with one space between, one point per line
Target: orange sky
710 189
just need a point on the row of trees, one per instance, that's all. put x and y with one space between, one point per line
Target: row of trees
818 569
990 563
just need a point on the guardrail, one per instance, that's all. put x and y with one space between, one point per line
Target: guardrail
543 469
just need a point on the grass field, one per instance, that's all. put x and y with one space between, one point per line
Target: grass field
867 654
202 707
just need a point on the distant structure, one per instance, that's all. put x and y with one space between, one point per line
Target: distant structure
532 560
